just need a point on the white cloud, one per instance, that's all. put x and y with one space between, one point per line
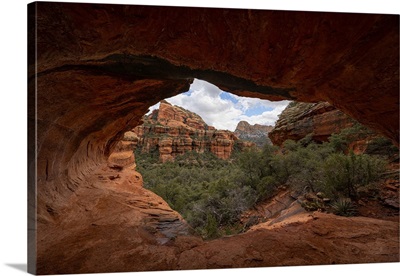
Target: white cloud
205 99
247 103
266 118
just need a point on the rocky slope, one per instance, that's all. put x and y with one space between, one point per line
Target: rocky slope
254 133
171 130
95 69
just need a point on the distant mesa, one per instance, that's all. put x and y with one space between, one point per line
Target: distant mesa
255 133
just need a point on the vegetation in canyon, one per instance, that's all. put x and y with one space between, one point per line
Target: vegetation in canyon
211 194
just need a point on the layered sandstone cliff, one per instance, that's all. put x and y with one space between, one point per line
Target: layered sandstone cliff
320 120
255 133
172 130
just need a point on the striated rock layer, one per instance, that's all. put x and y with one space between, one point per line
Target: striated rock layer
172 130
93 71
107 222
320 120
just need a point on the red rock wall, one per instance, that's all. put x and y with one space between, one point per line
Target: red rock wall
255 133
172 131
319 120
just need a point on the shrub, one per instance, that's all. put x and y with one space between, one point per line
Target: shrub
344 207
211 229
341 141
266 187
301 168
313 205
290 145
292 104
211 194
382 146
251 163
346 173
200 185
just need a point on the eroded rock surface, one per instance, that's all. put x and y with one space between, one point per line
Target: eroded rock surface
110 225
316 238
171 131
279 54
300 239
320 120
269 208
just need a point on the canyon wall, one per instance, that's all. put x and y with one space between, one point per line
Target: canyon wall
171 131
319 120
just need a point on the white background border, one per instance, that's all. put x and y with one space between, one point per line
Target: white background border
13 241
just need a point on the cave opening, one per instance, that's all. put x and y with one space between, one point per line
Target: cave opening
192 142
227 179
108 64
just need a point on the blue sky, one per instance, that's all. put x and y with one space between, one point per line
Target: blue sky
224 110
228 96
256 110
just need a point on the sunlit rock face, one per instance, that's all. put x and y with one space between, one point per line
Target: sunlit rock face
97 69
171 131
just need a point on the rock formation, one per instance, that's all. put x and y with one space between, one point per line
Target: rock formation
172 130
297 55
319 120
93 71
300 239
254 133
102 220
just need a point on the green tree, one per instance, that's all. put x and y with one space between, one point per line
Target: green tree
346 173
211 229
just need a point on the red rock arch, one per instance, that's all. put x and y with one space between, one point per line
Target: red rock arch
95 69
99 67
